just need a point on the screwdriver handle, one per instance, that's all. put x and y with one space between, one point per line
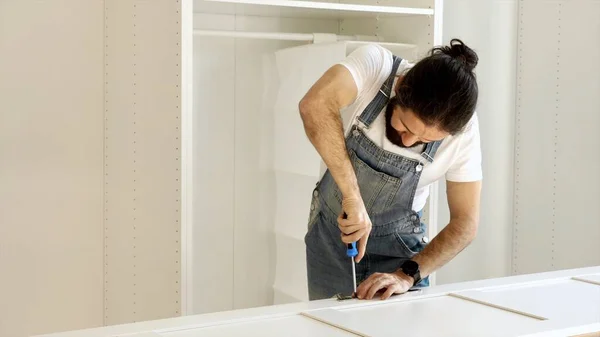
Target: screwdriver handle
351 251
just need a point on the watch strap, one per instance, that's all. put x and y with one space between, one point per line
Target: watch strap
416 277
411 268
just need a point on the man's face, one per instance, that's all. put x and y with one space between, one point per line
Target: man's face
405 129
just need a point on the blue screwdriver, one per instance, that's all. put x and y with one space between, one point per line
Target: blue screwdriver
352 252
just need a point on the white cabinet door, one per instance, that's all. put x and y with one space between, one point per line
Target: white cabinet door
592 278
567 300
435 316
289 326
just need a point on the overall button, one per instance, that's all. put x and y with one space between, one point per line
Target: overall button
413 217
417 230
312 207
425 239
355 133
419 168
316 193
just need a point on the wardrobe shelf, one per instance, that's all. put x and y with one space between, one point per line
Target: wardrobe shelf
305 9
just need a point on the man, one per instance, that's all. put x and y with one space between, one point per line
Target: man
406 127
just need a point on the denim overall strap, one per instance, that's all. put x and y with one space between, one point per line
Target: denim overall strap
430 150
381 99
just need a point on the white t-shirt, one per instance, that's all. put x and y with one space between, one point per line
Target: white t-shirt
457 159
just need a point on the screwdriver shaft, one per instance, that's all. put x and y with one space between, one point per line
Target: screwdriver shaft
353 273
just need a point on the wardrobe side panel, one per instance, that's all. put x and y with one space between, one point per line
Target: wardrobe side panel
142 181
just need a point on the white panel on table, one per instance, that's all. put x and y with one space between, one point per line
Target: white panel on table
571 301
577 229
291 326
593 278
434 316
534 235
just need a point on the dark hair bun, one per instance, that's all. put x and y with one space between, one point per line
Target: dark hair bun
460 52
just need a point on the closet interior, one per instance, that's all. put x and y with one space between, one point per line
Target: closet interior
254 168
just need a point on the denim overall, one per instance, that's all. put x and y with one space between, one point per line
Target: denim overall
387 183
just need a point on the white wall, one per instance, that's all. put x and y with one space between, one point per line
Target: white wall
557 195
538 112
489 27
90 163
51 144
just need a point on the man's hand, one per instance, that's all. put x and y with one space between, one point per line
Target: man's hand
355 224
393 283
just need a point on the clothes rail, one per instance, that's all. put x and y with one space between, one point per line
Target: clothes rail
283 36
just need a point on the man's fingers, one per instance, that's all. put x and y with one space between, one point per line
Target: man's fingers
362 289
384 284
389 292
343 221
354 236
362 248
349 229
350 219
380 283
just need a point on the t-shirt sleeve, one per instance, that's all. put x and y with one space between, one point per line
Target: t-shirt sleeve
467 164
368 64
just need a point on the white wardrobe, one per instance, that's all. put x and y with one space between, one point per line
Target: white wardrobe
254 167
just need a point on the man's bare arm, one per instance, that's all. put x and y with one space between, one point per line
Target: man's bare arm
463 201
320 112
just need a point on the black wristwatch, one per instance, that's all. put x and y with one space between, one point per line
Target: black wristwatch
411 268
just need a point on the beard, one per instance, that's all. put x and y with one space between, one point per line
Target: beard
392 134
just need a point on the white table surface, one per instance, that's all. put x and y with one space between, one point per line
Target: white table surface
559 303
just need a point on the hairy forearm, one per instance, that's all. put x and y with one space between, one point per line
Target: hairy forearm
455 237
323 127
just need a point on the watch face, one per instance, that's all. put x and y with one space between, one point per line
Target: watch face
410 267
